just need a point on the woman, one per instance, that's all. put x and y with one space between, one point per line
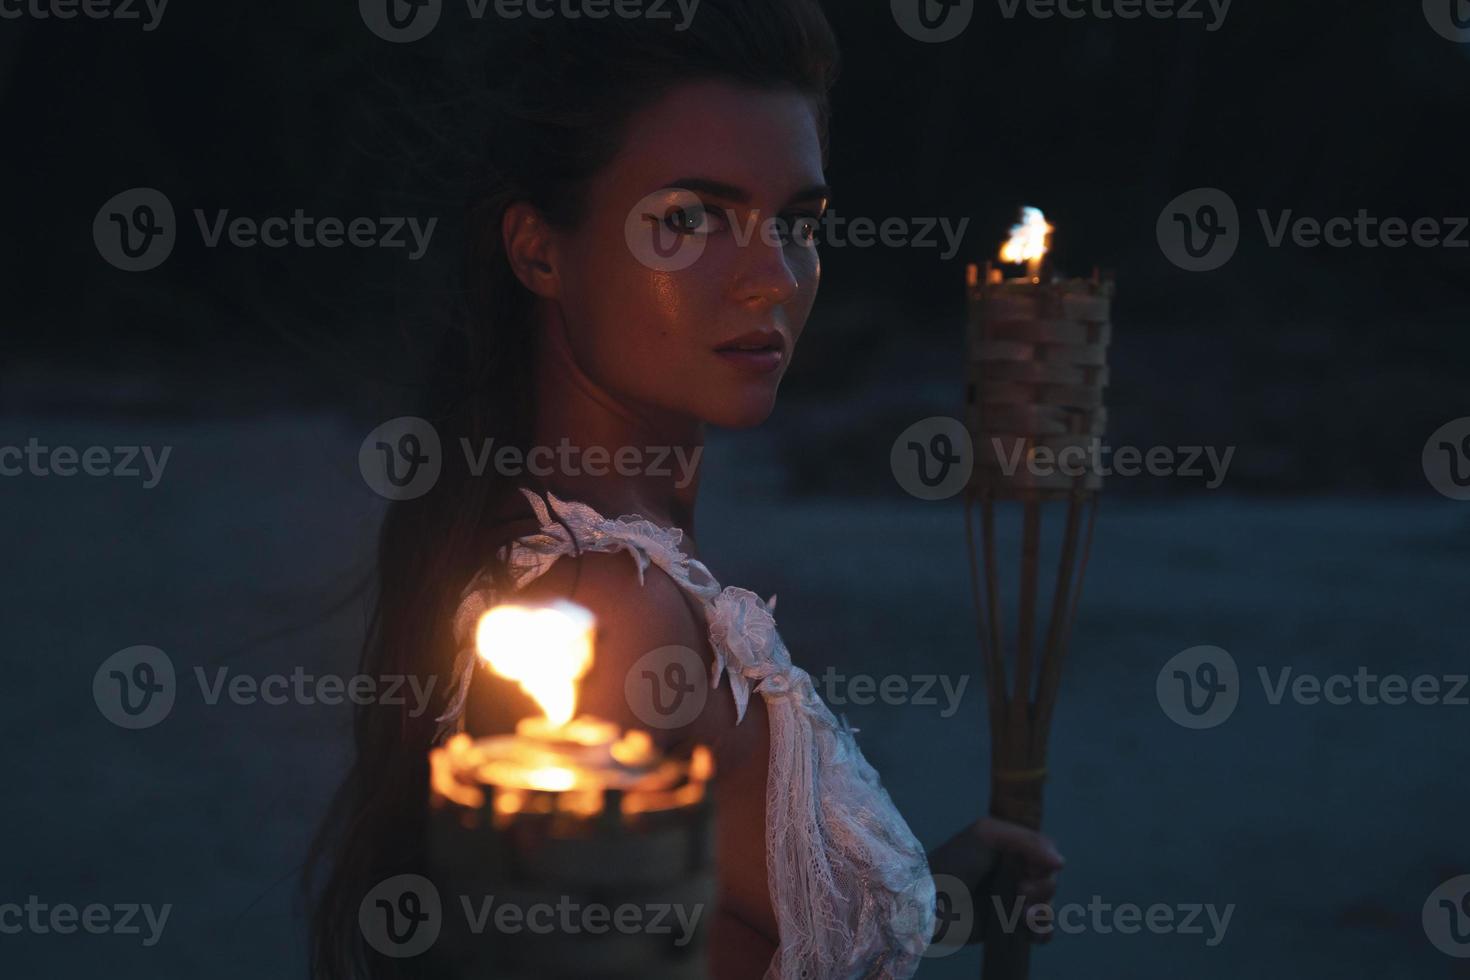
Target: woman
643 267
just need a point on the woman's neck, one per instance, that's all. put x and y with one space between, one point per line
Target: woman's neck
649 461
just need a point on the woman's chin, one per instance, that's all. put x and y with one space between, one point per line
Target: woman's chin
744 411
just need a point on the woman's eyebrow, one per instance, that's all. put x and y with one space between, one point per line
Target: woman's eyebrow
738 195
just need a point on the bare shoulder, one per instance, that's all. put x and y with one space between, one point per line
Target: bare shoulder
648 627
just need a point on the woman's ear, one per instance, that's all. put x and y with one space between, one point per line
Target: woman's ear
531 250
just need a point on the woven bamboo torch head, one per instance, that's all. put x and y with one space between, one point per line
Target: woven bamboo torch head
1036 367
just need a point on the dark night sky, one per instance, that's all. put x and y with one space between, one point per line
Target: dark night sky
1323 109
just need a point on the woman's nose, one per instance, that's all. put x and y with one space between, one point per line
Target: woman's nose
766 275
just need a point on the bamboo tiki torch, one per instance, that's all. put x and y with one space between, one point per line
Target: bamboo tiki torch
1035 372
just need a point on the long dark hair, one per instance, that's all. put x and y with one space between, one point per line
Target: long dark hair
561 94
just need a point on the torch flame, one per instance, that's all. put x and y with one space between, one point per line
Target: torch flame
546 649
1029 240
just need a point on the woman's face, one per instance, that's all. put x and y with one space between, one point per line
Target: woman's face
686 287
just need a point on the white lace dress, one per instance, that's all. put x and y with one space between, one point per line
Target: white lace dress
850 885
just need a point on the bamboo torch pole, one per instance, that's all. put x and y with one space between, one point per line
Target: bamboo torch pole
1036 370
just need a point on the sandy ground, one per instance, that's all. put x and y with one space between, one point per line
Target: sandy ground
1325 827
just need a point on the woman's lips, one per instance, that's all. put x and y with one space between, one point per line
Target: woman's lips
762 361
758 351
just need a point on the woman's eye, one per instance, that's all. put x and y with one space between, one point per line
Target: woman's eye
802 229
696 220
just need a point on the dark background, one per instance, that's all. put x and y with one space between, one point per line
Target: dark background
1324 551
1333 363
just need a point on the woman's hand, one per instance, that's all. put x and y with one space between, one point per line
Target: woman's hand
973 856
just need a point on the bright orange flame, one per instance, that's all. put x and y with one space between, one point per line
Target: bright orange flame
634 749
546 649
441 774
554 779
1029 240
